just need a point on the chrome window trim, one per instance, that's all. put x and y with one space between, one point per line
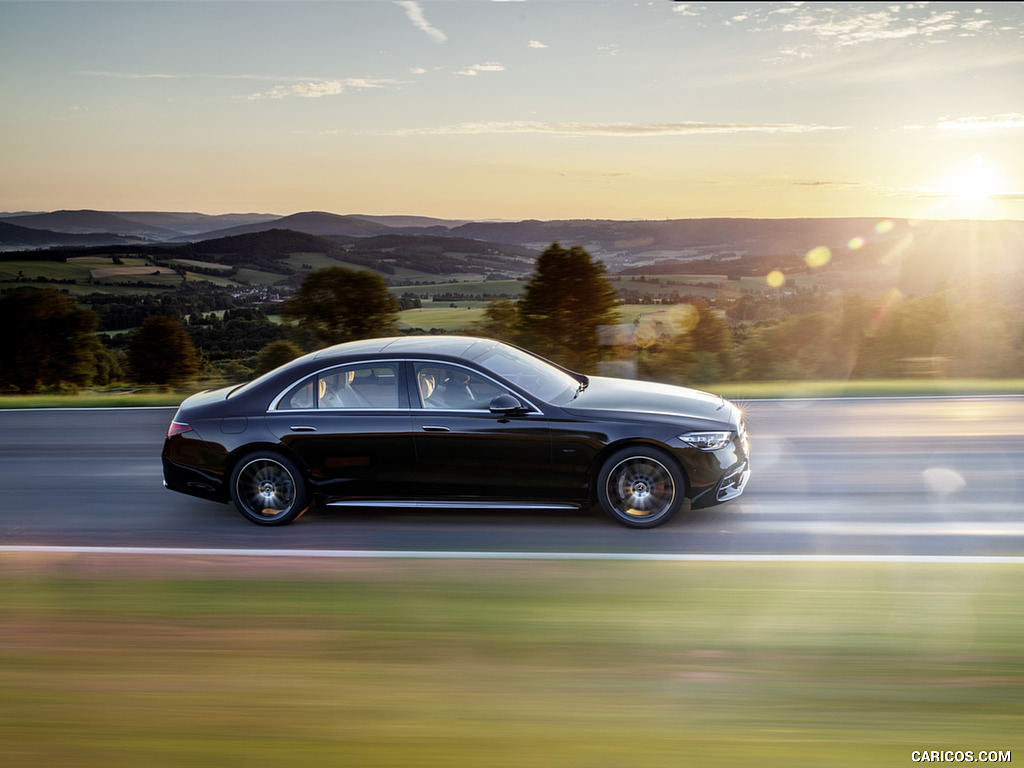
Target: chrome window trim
272 408
532 408
444 363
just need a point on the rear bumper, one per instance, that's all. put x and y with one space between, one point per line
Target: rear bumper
192 482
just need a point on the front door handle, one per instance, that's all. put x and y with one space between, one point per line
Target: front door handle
434 428
303 428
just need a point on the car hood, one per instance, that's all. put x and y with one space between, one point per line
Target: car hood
640 398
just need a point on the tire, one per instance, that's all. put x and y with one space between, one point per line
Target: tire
640 487
268 489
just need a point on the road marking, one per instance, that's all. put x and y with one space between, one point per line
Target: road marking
456 555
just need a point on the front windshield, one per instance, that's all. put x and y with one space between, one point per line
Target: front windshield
537 377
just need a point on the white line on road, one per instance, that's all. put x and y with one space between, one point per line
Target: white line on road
442 555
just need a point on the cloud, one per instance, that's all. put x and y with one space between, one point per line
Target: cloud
625 130
684 9
475 69
130 75
415 14
536 44
316 90
1011 121
821 27
852 29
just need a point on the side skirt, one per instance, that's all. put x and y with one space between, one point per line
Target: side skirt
407 504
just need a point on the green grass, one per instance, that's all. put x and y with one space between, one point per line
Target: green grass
90 400
467 664
443 317
315 260
735 391
440 315
872 388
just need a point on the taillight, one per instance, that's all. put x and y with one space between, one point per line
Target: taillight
177 428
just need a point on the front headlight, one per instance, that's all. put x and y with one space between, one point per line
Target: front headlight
707 441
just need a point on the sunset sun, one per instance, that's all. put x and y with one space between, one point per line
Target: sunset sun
972 186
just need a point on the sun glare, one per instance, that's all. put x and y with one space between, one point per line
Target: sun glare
971 188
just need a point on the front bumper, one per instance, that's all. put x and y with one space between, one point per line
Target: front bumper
732 484
729 487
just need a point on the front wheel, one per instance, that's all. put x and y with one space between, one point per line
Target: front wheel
640 487
268 489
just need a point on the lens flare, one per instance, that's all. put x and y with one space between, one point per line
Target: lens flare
856 243
818 257
884 226
890 303
776 279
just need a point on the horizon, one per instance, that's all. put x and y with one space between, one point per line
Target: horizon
508 111
4 215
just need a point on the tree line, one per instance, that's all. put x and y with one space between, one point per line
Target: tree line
568 312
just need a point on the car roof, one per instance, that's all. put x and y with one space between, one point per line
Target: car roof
452 346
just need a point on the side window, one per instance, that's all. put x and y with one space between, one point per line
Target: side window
359 386
300 397
453 388
353 386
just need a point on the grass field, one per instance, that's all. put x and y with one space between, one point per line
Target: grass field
468 313
443 317
133 270
737 391
271 662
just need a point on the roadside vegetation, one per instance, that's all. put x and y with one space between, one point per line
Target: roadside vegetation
170 661
130 319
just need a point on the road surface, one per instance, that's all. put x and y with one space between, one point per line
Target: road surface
942 476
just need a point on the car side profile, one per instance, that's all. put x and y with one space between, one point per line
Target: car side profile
454 422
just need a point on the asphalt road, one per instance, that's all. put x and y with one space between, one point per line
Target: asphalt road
854 477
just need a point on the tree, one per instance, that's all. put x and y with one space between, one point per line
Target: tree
338 304
47 340
566 300
161 352
274 355
501 321
699 350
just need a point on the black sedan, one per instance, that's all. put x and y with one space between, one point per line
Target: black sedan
453 422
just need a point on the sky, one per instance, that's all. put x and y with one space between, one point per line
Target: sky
543 109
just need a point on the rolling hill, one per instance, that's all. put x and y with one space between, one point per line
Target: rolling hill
867 253
14 238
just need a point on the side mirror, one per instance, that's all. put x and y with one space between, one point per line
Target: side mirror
505 405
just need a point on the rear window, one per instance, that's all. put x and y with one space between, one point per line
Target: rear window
368 385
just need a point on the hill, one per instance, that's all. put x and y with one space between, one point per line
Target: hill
196 223
864 253
310 222
15 238
87 222
152 226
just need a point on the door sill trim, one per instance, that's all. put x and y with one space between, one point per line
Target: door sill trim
410 504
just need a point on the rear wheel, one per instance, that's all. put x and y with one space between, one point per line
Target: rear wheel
640 487
268 489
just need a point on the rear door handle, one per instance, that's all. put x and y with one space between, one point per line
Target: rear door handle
303 428
433 428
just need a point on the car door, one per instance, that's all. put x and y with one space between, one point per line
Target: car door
465 452
352 428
